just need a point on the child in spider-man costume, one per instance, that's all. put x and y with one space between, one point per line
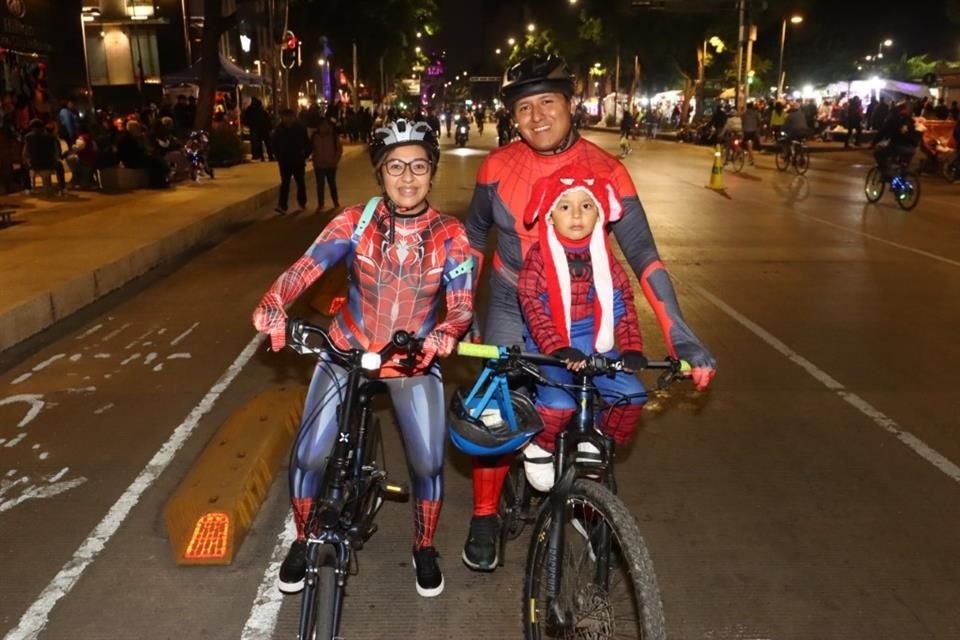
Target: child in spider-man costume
402 255
577 300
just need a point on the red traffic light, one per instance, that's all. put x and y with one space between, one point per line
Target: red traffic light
292 41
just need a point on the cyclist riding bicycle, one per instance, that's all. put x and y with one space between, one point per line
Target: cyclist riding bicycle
897 140
538 92
795 126
402 254
575 301
732 130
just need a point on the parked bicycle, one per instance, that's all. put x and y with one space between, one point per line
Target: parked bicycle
588 572
196 151
793 153
904 184
355 482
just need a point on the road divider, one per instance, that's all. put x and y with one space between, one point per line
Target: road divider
211 511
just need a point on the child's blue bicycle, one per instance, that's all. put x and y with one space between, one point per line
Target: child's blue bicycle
589 574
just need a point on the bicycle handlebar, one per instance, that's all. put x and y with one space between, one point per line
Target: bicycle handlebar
597 364
402 342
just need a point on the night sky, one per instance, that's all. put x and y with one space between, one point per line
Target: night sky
841 28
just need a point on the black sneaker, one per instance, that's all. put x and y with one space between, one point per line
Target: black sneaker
429 576
294 568
482 549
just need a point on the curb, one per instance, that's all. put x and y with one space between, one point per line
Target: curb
49 307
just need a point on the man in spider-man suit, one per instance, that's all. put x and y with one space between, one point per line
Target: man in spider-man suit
538 91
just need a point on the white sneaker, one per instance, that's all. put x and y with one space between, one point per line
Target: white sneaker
538 467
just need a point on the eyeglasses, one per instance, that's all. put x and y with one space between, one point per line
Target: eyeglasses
418 167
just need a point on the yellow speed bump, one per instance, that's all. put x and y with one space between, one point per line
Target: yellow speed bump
212 509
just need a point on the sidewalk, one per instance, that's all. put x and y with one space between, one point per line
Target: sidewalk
62 254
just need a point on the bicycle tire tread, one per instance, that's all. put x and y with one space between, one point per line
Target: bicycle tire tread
632 546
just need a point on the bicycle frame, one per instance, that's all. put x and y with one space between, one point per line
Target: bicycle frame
342 515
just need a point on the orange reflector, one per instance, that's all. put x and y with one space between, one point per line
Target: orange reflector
336 304
209 538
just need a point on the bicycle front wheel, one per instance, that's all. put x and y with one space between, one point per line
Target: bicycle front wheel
908 194
874 185
608 587
320 606
783 159
801 161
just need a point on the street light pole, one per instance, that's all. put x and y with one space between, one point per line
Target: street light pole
783 41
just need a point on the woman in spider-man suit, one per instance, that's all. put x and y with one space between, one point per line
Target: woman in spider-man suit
401 256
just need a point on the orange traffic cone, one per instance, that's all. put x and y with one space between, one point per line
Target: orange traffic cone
716 173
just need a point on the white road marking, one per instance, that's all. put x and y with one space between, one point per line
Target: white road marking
59 474
266 605
105 407
76 357
35 400
917 445
113 333
183 335
35 618
16 439
150 357
21 378
179 356
41 491
102 356
130 359
89 331
139 338
921 252
49 361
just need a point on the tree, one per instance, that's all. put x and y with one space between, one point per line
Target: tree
215 24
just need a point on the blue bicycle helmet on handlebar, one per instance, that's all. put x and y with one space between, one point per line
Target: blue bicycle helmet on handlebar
477 434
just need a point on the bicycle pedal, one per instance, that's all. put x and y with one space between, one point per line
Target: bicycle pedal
397 491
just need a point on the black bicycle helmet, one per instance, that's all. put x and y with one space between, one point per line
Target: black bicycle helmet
536 74
400 133
475 437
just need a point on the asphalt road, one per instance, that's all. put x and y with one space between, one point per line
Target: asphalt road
812 492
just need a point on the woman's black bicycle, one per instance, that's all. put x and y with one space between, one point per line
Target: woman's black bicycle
354 484
588 572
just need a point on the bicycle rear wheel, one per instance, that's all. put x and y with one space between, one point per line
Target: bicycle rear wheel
602 595
738 160
320 604
801 161
908 195
783 159
874 185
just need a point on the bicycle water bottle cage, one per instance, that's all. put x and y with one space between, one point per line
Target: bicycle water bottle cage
490 419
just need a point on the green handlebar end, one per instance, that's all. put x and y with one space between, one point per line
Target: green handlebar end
685 366
488 351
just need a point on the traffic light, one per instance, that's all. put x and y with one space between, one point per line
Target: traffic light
290 51
751 75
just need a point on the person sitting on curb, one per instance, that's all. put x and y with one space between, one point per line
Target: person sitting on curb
41 153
